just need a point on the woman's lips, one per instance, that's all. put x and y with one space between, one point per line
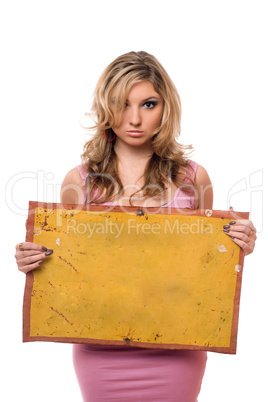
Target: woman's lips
135 133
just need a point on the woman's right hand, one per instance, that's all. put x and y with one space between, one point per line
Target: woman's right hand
30 256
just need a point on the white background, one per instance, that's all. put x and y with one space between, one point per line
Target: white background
52 53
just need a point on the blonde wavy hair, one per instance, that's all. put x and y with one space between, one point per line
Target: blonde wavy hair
168 160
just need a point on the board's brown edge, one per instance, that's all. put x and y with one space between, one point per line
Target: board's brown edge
128 342
151 210
29 277
234 333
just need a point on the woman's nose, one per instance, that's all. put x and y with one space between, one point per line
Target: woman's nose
134 116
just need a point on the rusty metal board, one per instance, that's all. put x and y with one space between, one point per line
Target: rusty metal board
158 279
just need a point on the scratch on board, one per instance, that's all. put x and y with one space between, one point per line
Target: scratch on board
63 316
63 259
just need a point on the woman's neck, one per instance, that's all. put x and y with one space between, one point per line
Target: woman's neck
132 162
133 155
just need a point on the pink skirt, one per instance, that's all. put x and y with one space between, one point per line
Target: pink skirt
134 374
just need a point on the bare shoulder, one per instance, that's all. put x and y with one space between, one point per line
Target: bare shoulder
202 176
72 177
72 188
203 185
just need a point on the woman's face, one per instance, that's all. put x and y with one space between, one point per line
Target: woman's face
141 117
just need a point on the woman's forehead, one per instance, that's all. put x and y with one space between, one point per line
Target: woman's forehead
140 90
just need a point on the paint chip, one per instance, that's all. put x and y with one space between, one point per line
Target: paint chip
222 249
37 231
238 268
208 212
58 241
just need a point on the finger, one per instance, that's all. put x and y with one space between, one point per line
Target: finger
33 259
22 254
242 232
238 235
30 267
30 246
241 238
239 228
26 253
247 248
245 223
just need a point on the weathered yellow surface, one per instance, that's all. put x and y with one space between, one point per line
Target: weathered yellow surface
114 276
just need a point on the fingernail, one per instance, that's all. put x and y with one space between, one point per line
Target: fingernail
232 223
226 227
41 262
44 248
226 230
49 252
232 237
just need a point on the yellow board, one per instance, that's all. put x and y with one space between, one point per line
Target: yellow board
151 280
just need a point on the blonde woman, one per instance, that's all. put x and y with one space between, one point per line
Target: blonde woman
134 159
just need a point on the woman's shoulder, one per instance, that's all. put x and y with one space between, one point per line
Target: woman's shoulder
77 175
198 172
192 165
204 188
72 187
73 176
189 170
83 172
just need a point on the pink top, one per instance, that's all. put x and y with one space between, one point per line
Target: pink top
180 200
132 374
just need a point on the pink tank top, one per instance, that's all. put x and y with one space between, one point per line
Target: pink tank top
181 199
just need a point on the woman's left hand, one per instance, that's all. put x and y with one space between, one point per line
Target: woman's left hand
243 233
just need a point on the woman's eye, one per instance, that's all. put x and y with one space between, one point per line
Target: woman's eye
150 104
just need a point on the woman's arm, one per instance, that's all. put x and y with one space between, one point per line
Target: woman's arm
72 188
203 189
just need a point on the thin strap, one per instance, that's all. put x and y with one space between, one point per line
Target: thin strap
83 173
194 167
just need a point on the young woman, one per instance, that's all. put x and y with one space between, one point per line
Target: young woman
134 159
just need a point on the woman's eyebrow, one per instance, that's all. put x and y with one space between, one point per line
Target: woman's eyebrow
150 98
